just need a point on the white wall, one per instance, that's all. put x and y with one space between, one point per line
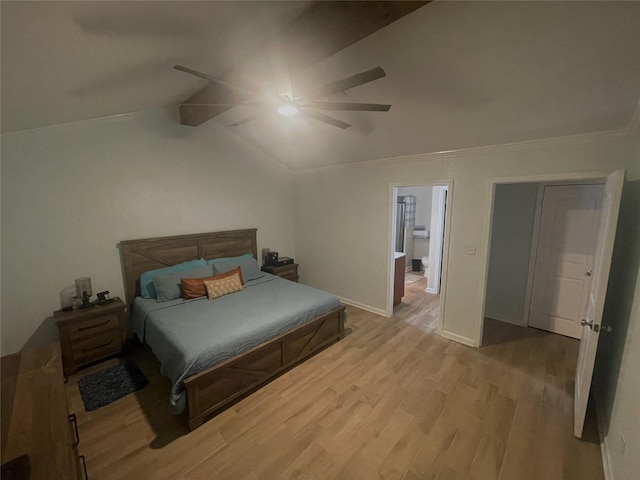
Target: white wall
436 243
510 249
344 214
70 193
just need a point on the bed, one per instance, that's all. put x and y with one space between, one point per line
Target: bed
262 331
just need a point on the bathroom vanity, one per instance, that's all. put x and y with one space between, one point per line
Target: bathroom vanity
398 277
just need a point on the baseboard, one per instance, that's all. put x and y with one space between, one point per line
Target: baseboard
502 318
368 308
458 338
606 464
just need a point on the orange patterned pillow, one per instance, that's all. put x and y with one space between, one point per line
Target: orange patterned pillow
194 287
222 286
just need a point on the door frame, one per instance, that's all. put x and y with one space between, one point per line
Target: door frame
537 219
445 243
562 178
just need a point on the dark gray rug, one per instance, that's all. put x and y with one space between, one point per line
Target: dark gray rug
108 385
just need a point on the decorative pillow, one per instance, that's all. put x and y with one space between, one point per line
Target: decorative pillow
224 285
248 264
168 286
194 287
147 290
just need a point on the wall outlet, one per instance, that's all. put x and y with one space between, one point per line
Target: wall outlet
469 249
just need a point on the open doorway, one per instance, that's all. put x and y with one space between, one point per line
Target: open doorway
542 250
417 248
550 247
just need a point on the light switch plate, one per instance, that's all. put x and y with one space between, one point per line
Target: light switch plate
469 249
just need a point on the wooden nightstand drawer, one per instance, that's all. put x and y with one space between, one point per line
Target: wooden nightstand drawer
290 275
91 334
94 326
96 346
288 272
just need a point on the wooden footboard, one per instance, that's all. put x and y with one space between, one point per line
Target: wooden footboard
211 391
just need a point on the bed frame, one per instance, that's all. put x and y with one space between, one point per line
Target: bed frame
212 390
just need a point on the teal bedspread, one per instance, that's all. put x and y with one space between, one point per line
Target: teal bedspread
189 336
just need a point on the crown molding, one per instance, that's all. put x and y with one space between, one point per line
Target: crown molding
120 117
123 117
569 140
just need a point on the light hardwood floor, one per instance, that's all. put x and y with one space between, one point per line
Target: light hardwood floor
392 400
418 308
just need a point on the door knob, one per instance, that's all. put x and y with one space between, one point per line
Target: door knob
588 273
586 323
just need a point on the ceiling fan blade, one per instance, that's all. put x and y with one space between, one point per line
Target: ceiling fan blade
362 107
247 120
277 52
347 83
321 117
213 79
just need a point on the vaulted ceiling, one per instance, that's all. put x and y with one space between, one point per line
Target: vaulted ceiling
459 74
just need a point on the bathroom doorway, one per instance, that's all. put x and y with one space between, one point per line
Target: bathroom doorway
418 228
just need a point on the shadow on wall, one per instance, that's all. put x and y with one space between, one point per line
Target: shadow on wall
619 301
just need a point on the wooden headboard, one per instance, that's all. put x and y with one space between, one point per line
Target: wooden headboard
139 256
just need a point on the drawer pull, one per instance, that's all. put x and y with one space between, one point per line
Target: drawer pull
80 329
74 422
84 467
85 350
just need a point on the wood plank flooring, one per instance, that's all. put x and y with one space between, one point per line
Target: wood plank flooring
393 400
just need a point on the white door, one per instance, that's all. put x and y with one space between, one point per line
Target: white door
436 244
564 260
597 292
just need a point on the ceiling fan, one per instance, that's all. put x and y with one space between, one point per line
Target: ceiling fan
308 105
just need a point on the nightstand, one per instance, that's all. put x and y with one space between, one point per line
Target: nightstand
290 272
91 334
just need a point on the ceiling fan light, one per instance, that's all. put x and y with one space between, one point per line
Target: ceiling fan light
287 110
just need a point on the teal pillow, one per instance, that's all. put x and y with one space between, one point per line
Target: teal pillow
168 286
248 265
147 290
228 259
